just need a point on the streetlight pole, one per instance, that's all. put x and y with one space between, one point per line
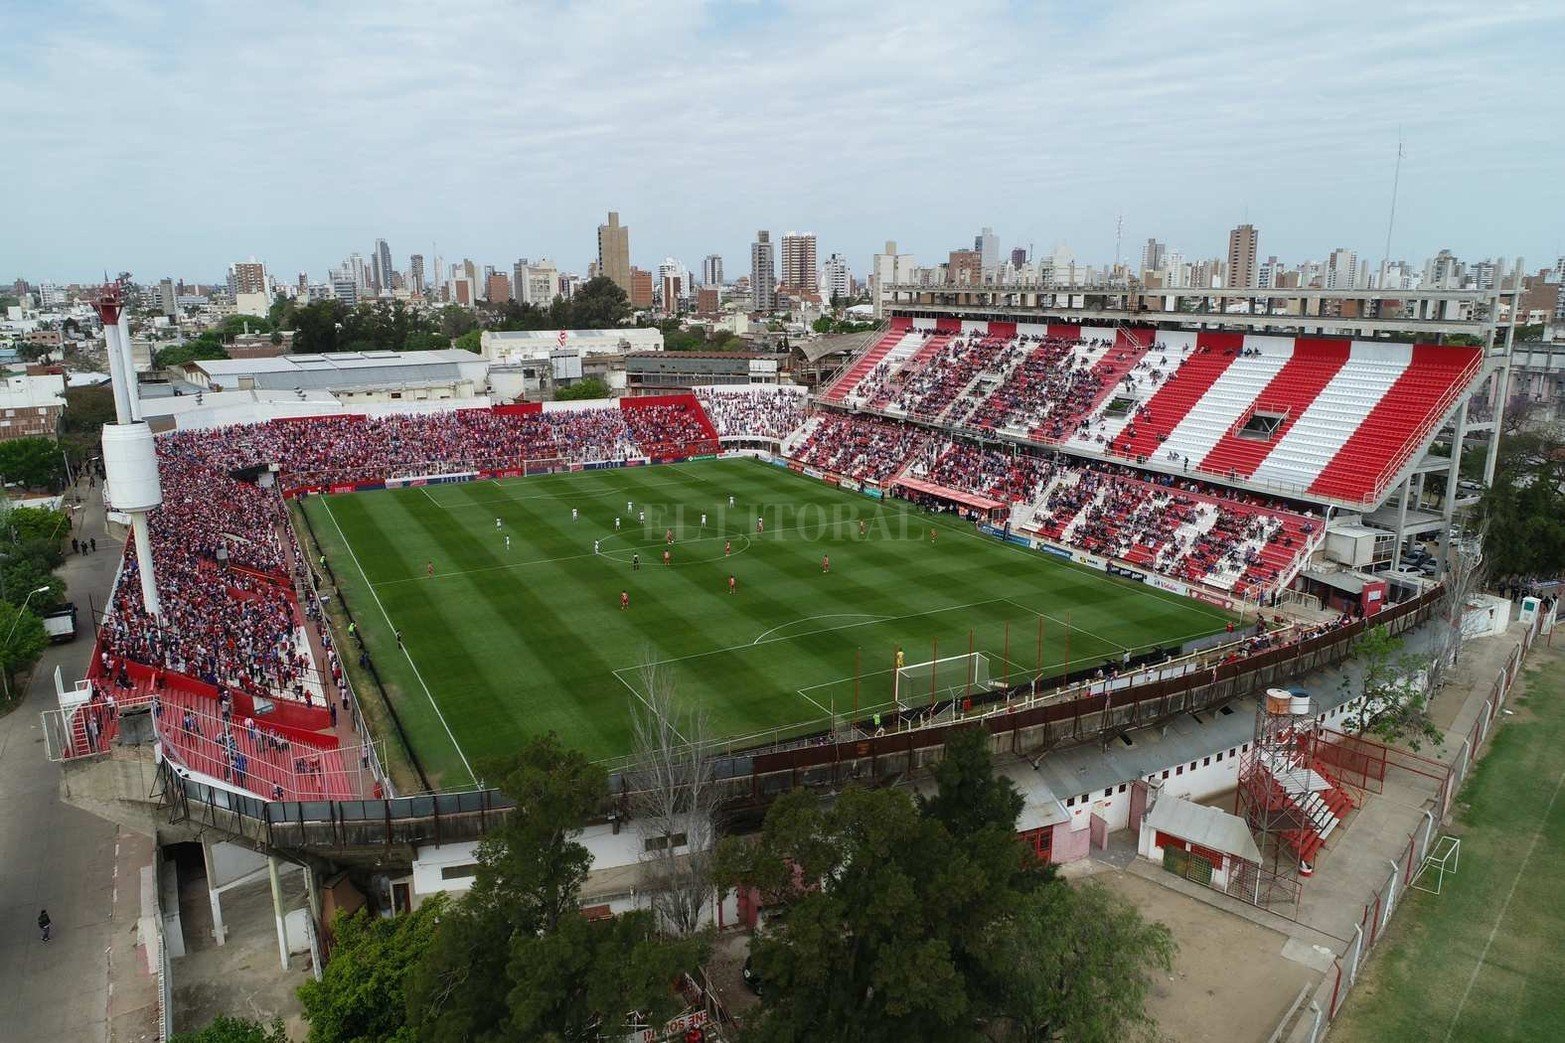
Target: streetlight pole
5 670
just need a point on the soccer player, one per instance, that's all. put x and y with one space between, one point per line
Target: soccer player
733 584
931 534
730 501
497 525
507 541
629 506
429 569
624 600
594 546
573 514
863 528
825 562
616 523
728 548
641 516
668 559
760 524
668 536
635 563
703 521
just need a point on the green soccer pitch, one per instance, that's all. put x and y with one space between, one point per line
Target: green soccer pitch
501 641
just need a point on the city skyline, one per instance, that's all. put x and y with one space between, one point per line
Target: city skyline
300 166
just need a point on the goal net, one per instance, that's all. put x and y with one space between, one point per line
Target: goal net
950 677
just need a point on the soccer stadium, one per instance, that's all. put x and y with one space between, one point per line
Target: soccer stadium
972 517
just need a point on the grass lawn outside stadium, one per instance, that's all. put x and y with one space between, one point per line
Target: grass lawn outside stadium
502 643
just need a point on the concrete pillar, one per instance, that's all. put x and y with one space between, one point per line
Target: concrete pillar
277 911
219 932
1453 473
1396 549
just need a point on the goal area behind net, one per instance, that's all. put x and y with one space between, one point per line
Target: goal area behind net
950 677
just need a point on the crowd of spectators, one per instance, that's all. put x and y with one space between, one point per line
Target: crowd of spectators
935 385
669 427
759 412
866 448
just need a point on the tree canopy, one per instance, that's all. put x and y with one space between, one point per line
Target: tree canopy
362 992
34 463
1394 686
585 388
1524 507
904 920
225 1029
515 959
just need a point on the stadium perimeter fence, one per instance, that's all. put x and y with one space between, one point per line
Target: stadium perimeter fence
1376 917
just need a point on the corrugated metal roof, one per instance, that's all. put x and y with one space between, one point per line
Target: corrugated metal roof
1209 827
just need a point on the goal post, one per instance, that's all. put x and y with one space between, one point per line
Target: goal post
950 677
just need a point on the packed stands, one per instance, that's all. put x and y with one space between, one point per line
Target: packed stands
866 448
746 411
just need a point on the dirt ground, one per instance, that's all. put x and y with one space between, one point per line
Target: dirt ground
1230 980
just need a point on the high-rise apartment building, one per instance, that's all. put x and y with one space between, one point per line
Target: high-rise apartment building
1242 243
964 268
1341 270
537 282
836 278
380 266
640 287
712 270
247 277
614 253
497 287
763 274
800 274
167 303
1154 256
416 273
988 246
889 268
1019 257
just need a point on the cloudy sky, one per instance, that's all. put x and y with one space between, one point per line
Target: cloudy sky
172 138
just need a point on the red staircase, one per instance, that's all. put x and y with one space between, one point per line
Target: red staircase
1398 423
1299 382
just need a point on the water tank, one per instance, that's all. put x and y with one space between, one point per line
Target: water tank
1279 700
1299 704
130 463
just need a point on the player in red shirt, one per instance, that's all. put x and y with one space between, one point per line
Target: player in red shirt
760 525
728 548
825 562
931 535
429 569
733 585
668 536
668 559
624 600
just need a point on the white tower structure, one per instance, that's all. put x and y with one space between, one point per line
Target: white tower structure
130 462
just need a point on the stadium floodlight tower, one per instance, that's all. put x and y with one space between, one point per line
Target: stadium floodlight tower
130 462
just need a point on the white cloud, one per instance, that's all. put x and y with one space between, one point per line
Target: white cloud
174 139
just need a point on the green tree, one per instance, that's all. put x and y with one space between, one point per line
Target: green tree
225 1029
515 959
1074 963
1523 509
37 523
315 326
586 388
455 320
361 997
35 463
469 341
87 409
26 642
598 304
234 325
1393 692
191 351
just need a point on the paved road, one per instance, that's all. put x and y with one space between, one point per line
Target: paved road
53 856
